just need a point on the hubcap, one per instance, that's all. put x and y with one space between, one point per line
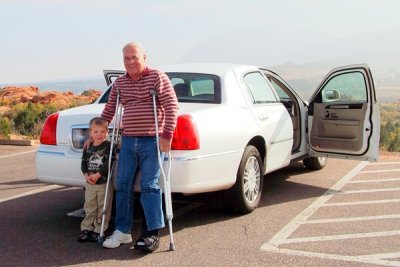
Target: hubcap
251 179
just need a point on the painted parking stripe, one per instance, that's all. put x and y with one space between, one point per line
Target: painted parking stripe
282 237
374 181
17 154
380 171
361 202
384 163
339 237
380 259
40 190
354 219
369 190
310 210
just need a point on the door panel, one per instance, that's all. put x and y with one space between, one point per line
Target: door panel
334 124
343 115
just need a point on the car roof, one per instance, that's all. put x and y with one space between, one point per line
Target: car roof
210 68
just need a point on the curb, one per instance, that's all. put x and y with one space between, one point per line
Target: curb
19 142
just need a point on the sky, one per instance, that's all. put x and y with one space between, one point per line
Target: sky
45 40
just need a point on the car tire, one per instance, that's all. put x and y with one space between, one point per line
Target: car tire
245 195
315 163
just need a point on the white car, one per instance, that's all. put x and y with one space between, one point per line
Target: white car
236 124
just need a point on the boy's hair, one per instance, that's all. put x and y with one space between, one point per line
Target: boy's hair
98 121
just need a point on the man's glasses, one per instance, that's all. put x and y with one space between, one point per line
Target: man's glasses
129 59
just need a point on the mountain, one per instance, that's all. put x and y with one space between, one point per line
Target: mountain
304 58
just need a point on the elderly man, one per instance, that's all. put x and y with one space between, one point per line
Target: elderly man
139 150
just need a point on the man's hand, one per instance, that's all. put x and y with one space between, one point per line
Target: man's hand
87 143
165 145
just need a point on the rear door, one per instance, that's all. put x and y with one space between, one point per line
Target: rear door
112 75
343 115
272 118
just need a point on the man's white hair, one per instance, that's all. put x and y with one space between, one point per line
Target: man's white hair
136 45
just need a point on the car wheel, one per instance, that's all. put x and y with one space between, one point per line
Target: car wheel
315 163
245 195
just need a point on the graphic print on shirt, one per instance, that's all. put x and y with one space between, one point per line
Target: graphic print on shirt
95 162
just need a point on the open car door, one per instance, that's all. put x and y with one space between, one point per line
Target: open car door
112 75
343 116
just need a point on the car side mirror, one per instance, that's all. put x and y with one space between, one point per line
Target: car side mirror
331 95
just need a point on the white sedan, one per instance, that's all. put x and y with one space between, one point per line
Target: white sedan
236 124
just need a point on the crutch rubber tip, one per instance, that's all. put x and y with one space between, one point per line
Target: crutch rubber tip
100 240
172 247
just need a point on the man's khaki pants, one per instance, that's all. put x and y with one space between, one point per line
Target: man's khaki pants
94 201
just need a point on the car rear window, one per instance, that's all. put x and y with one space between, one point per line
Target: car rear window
191 88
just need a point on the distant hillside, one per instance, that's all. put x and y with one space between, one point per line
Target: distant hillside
76 86
12 95
312 55
305 79
23 110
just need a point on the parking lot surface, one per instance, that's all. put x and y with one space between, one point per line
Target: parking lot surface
347 214
360 213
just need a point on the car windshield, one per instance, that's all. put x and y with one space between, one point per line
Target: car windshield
190 88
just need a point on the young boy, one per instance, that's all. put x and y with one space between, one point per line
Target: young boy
94 167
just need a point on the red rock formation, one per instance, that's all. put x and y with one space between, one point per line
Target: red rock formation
12 95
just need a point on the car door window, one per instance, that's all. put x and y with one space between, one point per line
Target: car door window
259 90
347 87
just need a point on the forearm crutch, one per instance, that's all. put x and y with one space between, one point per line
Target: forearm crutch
166 179
113 151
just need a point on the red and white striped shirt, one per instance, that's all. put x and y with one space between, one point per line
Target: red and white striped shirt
135 97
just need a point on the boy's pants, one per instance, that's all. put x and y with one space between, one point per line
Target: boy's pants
94 201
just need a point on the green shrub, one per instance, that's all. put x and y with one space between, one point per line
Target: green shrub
5 127
29 118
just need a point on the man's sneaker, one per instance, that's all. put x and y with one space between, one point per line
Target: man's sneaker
116 239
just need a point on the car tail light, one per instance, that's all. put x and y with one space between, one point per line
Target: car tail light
49 130
186 136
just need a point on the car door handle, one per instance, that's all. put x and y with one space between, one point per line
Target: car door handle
263 117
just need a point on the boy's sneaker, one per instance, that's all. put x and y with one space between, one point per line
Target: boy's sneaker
116 239
84 236
94 237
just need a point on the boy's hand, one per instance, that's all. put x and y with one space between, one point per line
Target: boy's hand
88 178
93 178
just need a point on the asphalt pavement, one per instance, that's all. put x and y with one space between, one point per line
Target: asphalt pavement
347 214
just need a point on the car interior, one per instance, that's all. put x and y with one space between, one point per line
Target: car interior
289 101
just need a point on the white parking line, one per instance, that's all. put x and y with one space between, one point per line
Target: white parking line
17 154
384 163
40 190
369 190
308 212
379 171
283 236
374 181
338 237
362 202
355 219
